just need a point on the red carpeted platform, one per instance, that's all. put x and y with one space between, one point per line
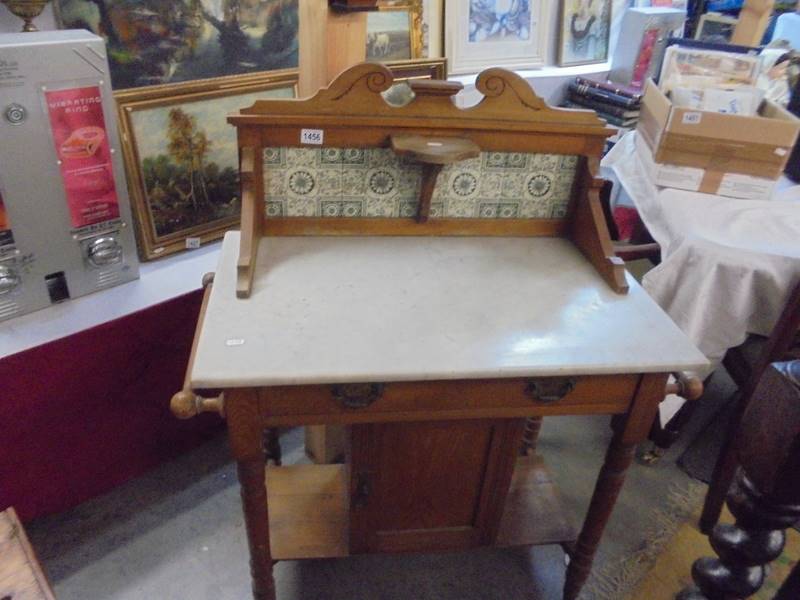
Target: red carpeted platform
85 413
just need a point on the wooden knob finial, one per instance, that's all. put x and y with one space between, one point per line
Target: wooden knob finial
689 387
186 404
183 405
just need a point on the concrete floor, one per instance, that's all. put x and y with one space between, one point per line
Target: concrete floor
178 534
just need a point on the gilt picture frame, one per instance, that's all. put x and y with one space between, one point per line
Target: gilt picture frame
404 71
181 157
153 42
488 33
394 32
584 32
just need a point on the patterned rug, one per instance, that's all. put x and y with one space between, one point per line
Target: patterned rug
662 567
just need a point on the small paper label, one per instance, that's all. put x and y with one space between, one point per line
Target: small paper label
692 118
312 136
192 243
234 342
435 144
745 186
781 151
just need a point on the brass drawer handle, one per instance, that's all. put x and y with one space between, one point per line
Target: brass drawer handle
550 389
357 395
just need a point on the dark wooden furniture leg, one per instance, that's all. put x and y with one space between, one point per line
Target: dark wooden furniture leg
272 446
630 430
721 481
533 426
779 343
765 498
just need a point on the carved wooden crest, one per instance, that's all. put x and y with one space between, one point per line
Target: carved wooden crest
509 102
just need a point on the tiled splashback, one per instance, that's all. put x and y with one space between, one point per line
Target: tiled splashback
374 182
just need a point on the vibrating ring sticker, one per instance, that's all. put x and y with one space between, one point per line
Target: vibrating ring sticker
83 142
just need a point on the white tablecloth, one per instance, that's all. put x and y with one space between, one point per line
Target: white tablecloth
727 265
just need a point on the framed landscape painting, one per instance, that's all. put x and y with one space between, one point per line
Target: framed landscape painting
152 42
182 158
488 33
395 32
585 27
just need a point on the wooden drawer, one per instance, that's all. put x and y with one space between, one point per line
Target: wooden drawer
458 399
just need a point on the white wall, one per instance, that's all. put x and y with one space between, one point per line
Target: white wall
11 24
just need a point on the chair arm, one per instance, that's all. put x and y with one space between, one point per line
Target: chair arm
637 251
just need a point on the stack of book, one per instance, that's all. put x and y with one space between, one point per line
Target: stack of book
617 103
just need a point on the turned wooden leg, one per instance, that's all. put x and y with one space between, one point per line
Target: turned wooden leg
254 503
533 425
246 436
629 430
272 446
765 496
609 483
744 549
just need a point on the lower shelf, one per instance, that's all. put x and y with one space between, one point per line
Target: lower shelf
534 513
309 510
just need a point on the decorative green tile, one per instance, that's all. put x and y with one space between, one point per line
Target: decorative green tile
374 182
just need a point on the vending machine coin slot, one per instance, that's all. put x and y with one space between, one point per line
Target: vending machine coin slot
57 287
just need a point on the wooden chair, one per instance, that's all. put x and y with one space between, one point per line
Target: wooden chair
765 499
746 364
641 245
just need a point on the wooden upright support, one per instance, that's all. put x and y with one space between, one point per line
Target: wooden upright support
753 21
330 42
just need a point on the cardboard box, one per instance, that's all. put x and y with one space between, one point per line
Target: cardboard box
707 181
716 142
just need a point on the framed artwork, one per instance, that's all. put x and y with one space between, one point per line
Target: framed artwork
404 71
424 68
585 27
182 159
395 32
715 27
488 33
152 42
433 29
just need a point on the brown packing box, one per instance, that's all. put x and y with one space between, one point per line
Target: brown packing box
707 181
720 143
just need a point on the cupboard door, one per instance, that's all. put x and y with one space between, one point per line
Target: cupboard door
430 485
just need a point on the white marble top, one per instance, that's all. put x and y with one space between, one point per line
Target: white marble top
352 309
